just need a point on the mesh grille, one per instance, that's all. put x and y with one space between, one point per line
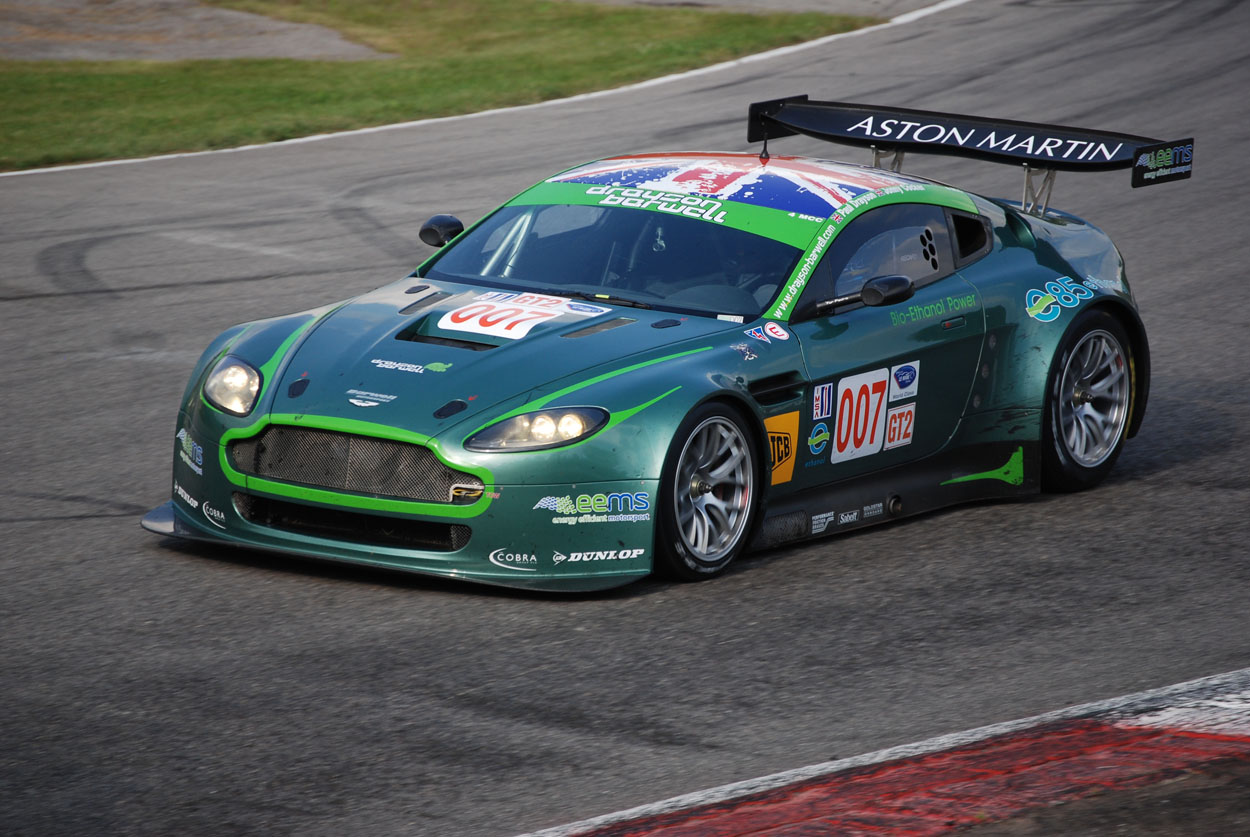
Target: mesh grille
346 462
356 527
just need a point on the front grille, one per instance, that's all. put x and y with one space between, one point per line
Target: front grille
347 462
357 527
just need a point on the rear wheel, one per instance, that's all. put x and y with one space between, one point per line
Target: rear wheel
1088 398
708 494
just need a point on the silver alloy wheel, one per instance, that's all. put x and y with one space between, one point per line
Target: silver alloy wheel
712 490
1093 398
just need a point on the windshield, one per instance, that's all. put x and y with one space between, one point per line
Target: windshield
663 260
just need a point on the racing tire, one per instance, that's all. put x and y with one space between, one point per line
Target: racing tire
708 494
1089 398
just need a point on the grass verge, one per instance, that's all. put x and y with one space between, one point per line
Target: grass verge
448 58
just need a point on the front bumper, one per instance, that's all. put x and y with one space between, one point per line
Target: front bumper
530 537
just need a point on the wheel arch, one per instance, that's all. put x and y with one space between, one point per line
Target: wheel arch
1132 323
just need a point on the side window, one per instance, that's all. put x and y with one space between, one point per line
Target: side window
909 240
972 236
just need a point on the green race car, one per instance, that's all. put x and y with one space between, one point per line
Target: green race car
655 362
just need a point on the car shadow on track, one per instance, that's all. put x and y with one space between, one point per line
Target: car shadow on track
327 570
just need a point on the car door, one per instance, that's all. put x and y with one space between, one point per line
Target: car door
888 383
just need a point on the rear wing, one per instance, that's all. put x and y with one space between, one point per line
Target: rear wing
1041 149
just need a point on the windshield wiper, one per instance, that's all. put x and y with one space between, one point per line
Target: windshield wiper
615 300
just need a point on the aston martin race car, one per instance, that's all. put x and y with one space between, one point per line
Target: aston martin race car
658 361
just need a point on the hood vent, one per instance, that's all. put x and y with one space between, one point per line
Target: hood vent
777 389
428 299
410 334
595 328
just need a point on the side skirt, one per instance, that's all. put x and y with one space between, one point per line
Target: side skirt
982 472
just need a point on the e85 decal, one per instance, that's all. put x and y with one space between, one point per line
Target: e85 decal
1046 305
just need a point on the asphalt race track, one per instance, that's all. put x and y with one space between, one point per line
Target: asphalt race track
151 688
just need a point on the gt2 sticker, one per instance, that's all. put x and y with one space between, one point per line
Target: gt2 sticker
783 436
1046 305
898 426
860 415
904 380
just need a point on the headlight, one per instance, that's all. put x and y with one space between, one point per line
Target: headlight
537 431
232 386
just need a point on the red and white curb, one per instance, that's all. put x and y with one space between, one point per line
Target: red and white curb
969 778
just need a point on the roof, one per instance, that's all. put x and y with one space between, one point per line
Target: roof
792 184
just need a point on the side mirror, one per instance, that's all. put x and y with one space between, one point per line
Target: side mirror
441 229
880 290
886 290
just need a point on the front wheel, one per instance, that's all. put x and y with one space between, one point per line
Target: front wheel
708 494
1089 396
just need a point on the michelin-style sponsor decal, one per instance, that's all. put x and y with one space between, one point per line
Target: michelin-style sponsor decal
859 426
601 555
757 333
818 438
822 401
215 516
673 203
618 507
937 308
509 560
364 398
783 437
848 517
185 497
512 315
873 510
898 426
775 331
1163 162
746 351
418 368
820 522
1046 305
904 380
190 452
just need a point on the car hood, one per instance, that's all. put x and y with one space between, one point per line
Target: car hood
403 359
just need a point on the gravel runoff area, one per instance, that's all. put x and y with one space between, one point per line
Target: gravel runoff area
171 30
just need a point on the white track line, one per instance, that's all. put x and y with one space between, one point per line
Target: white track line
1230 691
715 68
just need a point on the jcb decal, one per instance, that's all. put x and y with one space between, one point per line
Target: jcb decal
783 435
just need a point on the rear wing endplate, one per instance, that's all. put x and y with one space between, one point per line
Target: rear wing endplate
1042 149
